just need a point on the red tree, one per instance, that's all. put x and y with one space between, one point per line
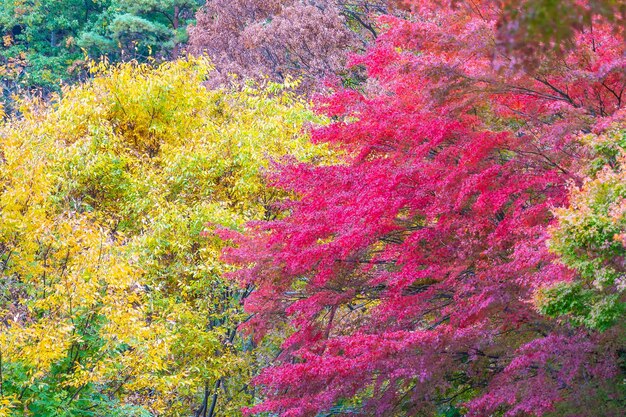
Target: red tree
408 270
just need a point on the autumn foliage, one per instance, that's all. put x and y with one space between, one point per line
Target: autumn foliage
309 40
372 208
408 272
111 298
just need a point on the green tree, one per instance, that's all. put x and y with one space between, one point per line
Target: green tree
44 42
140 29
590 238
39 45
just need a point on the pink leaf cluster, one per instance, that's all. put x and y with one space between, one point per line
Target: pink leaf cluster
301 39
408 271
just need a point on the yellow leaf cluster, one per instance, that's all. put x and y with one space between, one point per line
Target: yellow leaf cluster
109 294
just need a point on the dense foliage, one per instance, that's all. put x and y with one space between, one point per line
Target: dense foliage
276 39
111 301
445 236
45 42
408 271
590 238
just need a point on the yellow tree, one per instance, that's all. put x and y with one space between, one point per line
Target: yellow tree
112 303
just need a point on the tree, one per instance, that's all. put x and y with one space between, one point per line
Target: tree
589 238
45 41
140 29
528 28
39 41
407 272
302 39
112 303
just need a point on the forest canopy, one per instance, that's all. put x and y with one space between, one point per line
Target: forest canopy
313 208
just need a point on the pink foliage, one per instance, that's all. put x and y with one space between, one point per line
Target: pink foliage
408 271
302 39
